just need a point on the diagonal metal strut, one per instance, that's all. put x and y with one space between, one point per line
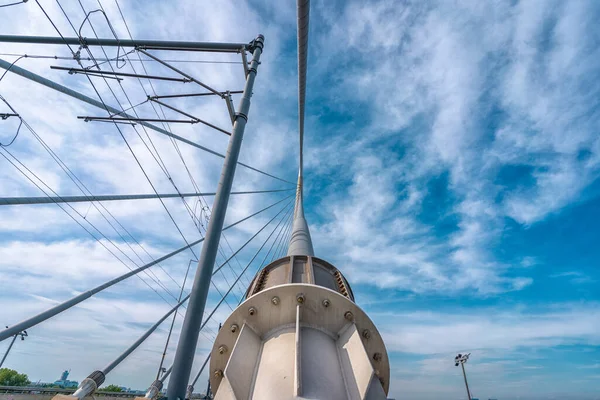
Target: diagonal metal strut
63 89
13 201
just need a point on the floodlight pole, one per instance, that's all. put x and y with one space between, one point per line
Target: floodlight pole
188 339
465 376
22 334
8 350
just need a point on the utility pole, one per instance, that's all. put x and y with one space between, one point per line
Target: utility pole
188 339
462 359
23 335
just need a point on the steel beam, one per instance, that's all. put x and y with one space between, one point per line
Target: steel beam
196 119
70 92
162 44
89 118
98 72
13 201
28 323
188 339
176 96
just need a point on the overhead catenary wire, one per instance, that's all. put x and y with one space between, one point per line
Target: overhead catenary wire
79 223
13 4
126 242
245 269
54 57
164 354
142 338
133 107
28 323
119 129
11 201
174 143
53 85
81 186
177 149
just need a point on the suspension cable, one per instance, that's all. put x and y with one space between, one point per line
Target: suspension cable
28 323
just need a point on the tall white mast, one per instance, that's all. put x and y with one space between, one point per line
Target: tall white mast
299 334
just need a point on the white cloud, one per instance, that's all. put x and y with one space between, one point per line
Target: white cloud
424 76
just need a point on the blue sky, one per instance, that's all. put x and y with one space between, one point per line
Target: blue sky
452 155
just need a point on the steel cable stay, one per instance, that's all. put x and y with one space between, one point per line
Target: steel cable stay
167 126
97 240
122 134
81 186
28 323
97 377
289 210
163 166
280 244
155 385
53 85
243 271
162 359
31 200
157 280
160 284
245 244
261 265
157 153
105 60
172 141
215 229
67 170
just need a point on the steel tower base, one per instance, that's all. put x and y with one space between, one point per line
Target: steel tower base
301 340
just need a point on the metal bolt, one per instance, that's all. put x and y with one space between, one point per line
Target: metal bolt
377 356
366 334
218 373
300 298
234 328
349 316
275 300
326 303
252 311
222 349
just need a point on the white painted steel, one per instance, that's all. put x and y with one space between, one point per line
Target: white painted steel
292 350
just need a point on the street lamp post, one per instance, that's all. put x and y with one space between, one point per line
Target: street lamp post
462 359
23 335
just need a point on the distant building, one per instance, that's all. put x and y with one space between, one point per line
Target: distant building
64 382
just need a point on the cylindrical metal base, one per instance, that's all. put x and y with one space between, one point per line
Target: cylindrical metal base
299 340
